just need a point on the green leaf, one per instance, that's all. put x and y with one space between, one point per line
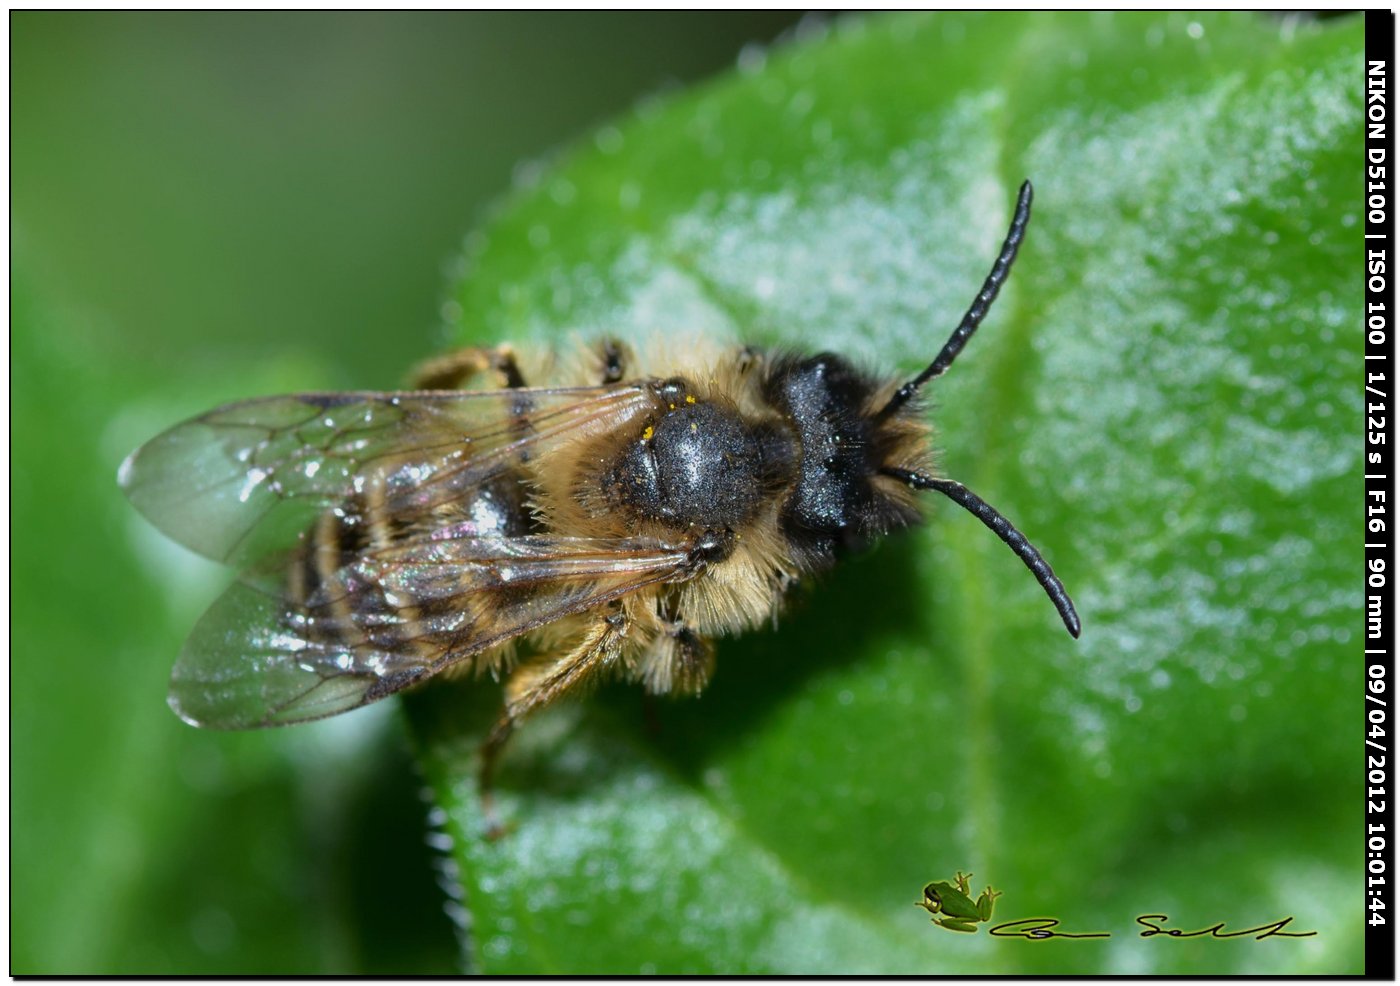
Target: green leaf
1164 400
142 846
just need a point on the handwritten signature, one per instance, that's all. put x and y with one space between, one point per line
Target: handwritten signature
1041 929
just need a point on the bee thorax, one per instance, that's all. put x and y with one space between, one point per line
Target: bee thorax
700 465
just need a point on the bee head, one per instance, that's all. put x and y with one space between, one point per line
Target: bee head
835 501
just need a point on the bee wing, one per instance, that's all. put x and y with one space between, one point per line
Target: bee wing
392 617
246 480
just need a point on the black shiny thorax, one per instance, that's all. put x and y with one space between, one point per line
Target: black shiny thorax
696 463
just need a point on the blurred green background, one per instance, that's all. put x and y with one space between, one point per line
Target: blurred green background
209 207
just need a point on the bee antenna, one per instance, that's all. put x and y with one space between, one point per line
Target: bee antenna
978 310
1003 529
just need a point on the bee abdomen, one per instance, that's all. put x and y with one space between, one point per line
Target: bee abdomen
340 595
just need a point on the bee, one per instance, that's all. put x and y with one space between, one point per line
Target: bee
609 525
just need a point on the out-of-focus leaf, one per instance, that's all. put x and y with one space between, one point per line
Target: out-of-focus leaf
210 206
1164 399
141 846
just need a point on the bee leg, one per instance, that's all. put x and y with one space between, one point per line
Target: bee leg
678 662
490 750
613 357
539 683
452 371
